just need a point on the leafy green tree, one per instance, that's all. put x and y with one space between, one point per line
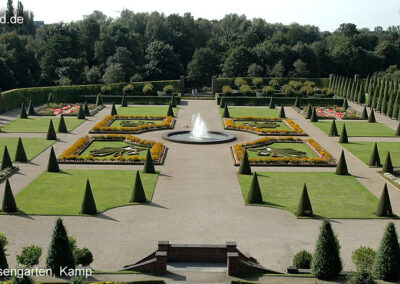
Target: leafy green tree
237 62
302 259
203 65
29 256
83 256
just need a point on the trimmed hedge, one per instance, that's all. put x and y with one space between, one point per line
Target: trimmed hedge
143 100
285 101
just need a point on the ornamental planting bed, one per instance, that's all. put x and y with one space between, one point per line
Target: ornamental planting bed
112 149
333 112
35 124
268 155
66 109
133 124
392 178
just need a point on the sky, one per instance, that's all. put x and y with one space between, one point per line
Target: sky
326 14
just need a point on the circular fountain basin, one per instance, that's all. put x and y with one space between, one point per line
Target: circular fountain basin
213 137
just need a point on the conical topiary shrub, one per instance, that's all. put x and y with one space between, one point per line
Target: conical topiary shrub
388 166
138 194
148 167
52 164
81 112
23 113
397 133
314 116
309 112
341 168
86 110
333 130
59 253
88 204
124 103
384 208
343 135
375 160
371 118
282 113
326 262
113 109
245 168
304 207
387 259
50 98
99 100
173 101
31 109
51 133
170 111
20 154
62 126
345 104
226 112
3 259
297 102
271 103
6 163
8 205
364 114
254 195
222 103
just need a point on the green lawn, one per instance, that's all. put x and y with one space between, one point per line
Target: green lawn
251 111
100 144
357 128
117 122
331 196
38 124
253 123
145 110
363 150
62 193
295 146
32 146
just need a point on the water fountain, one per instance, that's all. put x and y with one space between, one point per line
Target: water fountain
199 134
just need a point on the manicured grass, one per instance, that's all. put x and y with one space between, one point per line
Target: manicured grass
145 110
38 124
117 122
100 144
295 146
363 150
61 193
32 146
281 124
251 111
357 128
331 196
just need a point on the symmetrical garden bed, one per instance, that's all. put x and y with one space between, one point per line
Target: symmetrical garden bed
39 124
65 109
295 152
112 149
133 124
333 112
358 128
32 146
392 178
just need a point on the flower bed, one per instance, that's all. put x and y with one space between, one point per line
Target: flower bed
104 126
324 158
73 153
392 178
333 112
294 129
65 109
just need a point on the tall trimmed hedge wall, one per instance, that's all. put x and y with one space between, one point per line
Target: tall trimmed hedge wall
289 101
143 100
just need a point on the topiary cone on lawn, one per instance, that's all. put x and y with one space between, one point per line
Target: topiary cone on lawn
371 118
304 207
138 194
245 168
6 163
364 114
343 135
309 112
254 195
123 101
226 112
282 113
51 133
398 130
173 101
375 160
23 113
271 103
31 109
388 166
8 205
341 168
222 103
20 154
297 102
148 167
384 208
81 112
314 116
86 110
62 127
170 111
50 98
52 165
99 100
333 130
113 109
88 204
345 104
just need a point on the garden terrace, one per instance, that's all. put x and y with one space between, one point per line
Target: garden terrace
67 109
32 146
145 110
331 112
358 128
38 124
252 101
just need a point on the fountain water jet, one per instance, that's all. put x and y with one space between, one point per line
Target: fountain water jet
199 127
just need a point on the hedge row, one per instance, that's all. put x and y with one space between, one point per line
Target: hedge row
142 100
251 101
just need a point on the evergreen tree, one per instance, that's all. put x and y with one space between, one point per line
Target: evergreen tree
364 114
50 98
81 113
62 127
245 168
20 155
374 100
113 109
371 118
8 205
138 194
148 164
333 130
341 168
124 103
31 109
343 135
361 95
374 160
396 103
326 262
6 163
23 113
254 195
51 133
297 103
345 104
387 259
309 112
314 116
282 113
88 204
3 259
173 101
389 110
271 103
304 207
59 254
86 110
99 100
226 112
388 166
397 133
384 208
222 103
52 164
170 111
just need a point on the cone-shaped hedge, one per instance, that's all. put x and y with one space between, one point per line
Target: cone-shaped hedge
6 162
254 195
8 205
309 112
343 135
226 112
364 114
20 154
99 100
271 103
60 251
138 194
245 168
222 103
173 101
50 98
23 113
326 262
371 118
31 109
52 164
388 166
387 259
3 259
398 130
88 204
341 168
333 130
297 103
375 160
124 103
170 111
51 133
304 207
282 113
314 116
113 109
345 104
81 112
384 208
62 127
148 167
86 110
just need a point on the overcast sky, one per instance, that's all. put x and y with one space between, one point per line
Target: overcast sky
326 14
